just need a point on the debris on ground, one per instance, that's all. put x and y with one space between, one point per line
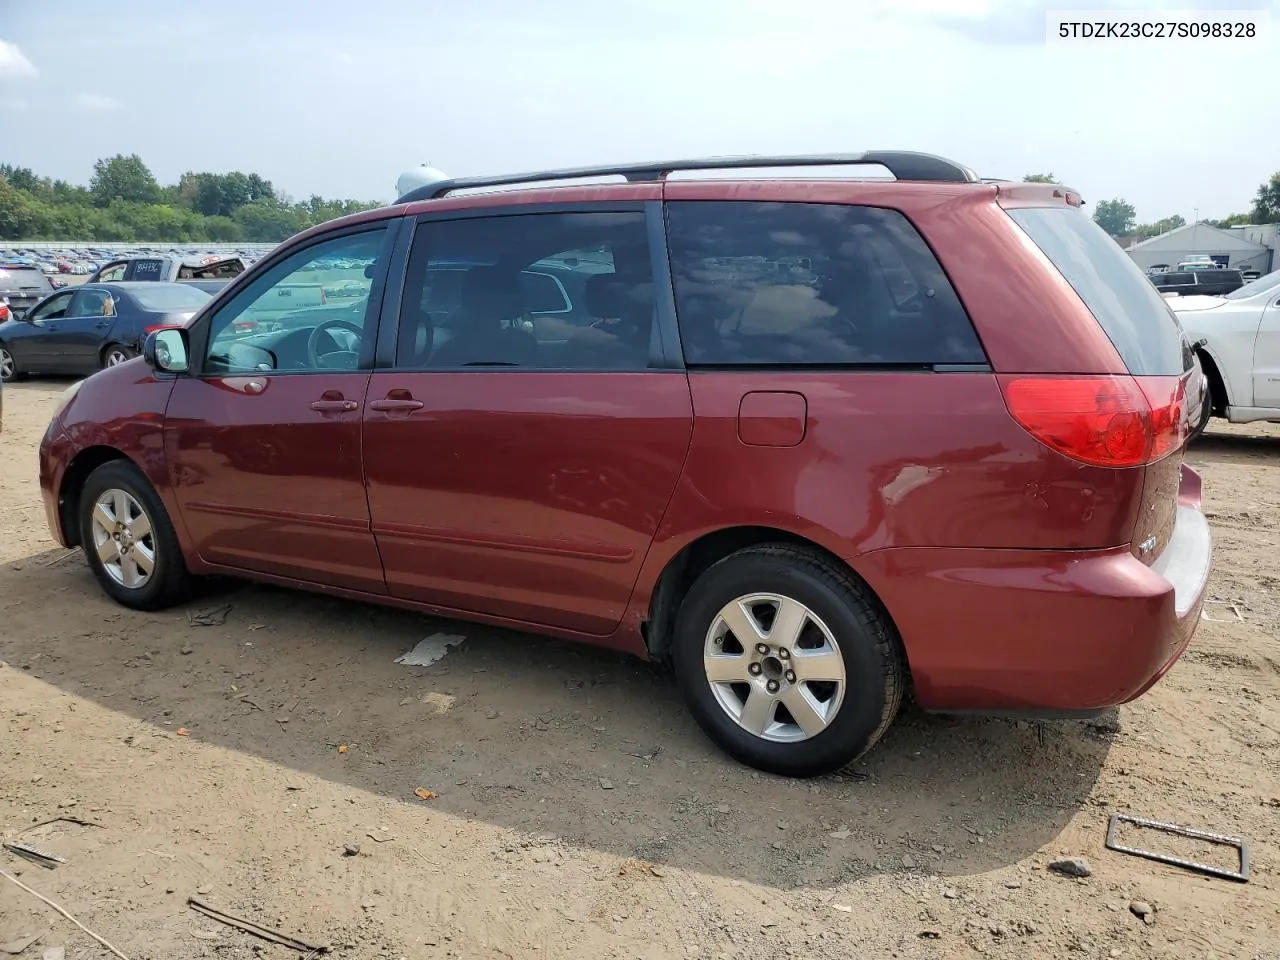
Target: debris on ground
210 618
248 926
43 858
1241 847
15 947
1072 867
61 910
422 793
351 850
430 650
183 732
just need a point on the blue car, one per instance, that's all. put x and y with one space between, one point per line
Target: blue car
92 326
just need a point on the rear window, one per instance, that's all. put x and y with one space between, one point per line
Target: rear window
1143 329
148 269
809 284
20 276
163 298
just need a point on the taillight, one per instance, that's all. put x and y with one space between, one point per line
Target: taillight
1105 421
4 312
161 326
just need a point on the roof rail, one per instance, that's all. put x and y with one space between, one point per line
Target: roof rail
904 165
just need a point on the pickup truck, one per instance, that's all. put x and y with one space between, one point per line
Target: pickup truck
209 276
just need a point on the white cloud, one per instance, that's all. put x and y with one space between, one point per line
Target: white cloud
14 64
13 104
97 103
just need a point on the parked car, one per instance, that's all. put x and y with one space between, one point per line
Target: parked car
22 286
1209 282
1198 261
210 275
825 438
1237 342
92 326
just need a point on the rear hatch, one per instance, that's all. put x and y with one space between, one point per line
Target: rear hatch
1137 422
23 286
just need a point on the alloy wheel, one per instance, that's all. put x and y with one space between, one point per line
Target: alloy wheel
774 667
116 356
7 367
123 538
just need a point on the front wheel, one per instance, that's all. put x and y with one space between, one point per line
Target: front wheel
8 366
115 355
129 539
786 661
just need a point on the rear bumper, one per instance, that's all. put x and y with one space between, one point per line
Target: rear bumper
1045 632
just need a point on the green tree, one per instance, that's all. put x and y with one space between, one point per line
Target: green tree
18 215
1115 216
1266 205
1039 178
1235 220
123 178
1145 231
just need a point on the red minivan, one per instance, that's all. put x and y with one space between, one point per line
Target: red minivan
810 441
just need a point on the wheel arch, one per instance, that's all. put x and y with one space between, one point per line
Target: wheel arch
1219 395
692 559
73 479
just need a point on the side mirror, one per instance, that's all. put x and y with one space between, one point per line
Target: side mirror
166 350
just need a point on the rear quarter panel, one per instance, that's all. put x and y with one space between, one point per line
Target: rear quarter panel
889 460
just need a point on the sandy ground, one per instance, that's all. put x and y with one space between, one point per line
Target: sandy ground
579 812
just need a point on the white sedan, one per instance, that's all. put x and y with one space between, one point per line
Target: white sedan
1237 341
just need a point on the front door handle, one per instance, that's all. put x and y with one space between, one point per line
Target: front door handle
334 406
391 404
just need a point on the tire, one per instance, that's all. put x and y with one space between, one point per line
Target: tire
845 633
114 355
127 497
9 371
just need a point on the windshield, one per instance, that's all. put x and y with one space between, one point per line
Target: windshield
1263 285
161 299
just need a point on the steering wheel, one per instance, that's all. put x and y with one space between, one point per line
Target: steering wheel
318 360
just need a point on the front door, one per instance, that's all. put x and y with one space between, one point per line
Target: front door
263 441
519 463
1266 354
36 349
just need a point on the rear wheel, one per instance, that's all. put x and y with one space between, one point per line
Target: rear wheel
115 355
129 540
786 662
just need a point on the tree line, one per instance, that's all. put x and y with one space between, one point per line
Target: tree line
125 202
1119 218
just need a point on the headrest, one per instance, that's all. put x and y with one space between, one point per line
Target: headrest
491 293
608 295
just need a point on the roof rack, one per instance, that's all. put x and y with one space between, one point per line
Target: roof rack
904 165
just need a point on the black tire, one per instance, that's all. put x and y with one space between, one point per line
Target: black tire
112 350
14 373
869 647
168 581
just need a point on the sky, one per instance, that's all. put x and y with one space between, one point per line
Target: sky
338 98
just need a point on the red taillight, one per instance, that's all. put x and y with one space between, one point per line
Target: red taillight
161 326
4 312
1106 421
244 326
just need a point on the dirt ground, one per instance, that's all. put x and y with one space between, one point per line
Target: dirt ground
579 812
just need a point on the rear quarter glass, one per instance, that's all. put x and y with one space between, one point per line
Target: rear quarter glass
1137 320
